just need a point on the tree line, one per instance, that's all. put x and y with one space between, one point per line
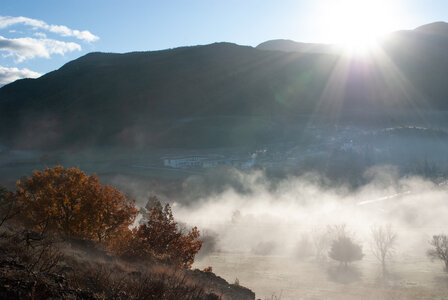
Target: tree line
341 245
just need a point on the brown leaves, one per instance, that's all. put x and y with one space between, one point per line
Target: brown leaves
160 237
70 202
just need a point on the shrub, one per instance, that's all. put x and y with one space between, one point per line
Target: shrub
344 250
208 269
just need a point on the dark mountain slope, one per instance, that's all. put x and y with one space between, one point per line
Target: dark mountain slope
220 94
104 98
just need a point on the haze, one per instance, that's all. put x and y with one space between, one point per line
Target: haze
306 140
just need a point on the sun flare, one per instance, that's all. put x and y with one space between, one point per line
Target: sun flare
357 24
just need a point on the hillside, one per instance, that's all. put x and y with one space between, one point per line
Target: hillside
36 267
292 46
220 94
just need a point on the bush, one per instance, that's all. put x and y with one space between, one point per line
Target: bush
344 250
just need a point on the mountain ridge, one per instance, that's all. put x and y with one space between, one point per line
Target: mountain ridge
293 46
139 98
436 28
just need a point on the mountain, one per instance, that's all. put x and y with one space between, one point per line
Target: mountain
437 28
194 96
221 94
292 46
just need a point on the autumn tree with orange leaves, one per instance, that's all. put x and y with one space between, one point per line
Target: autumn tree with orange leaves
76 205
161 237
69 202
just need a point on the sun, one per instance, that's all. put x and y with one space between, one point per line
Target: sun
357 24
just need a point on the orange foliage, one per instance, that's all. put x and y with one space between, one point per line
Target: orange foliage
207 269
70 202
160 237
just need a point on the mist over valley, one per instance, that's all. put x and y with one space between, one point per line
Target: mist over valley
309 171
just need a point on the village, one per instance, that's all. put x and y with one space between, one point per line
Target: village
347 140
316 142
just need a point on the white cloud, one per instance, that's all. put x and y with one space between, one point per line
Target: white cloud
26 48
85 35
40 35
8 75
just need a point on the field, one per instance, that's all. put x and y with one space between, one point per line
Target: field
275 277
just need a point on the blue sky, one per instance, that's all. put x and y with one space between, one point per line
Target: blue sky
136 25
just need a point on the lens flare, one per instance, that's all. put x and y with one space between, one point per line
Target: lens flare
357 24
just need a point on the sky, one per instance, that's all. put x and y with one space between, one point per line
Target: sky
37 37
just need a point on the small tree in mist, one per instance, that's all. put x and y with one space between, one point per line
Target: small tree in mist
321 243
344 250
439 249
322 238
153 202
209 243
336 231
304 246
383 244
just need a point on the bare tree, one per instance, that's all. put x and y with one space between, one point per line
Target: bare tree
336 231
439 249
321 243
383 244
304 248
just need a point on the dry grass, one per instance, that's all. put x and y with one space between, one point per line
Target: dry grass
115 280
39 267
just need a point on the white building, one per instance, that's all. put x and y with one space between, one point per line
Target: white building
195 161
183 161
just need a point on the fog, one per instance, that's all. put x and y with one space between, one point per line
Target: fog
273 227
266 218
275 234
